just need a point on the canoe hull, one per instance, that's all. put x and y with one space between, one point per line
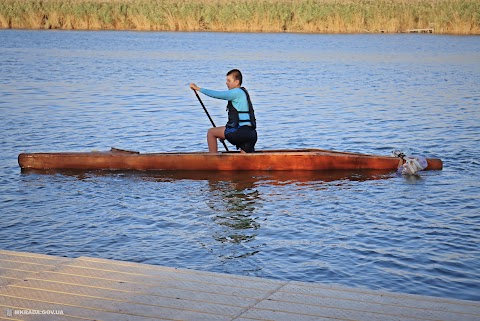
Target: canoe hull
305 160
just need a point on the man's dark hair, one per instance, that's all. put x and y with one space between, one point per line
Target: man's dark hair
236 74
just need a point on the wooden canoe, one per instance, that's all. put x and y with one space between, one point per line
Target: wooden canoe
273 160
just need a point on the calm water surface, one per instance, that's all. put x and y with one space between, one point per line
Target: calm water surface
83 91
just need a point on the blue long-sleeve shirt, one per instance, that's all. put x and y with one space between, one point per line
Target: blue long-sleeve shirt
238 98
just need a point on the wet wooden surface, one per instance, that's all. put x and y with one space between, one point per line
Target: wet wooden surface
98 289
299 160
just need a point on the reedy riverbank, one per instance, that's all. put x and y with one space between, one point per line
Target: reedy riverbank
315 16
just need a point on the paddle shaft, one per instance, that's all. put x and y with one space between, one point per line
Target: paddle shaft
211 120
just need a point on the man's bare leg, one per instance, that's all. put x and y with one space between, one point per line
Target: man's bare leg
212 135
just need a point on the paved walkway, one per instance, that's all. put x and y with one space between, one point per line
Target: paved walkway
96 289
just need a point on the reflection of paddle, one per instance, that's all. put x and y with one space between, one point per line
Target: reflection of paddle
211 120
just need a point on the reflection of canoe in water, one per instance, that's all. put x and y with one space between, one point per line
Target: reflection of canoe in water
240 179
274 160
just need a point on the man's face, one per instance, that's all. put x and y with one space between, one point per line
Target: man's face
231 82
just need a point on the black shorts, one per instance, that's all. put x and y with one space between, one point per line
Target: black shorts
244 138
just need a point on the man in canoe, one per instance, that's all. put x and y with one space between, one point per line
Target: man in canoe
240 129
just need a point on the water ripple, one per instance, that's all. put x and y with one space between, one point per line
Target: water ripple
82 91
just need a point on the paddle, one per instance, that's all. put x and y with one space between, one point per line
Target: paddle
211 120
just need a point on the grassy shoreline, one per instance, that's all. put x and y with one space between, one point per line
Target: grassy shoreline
309 16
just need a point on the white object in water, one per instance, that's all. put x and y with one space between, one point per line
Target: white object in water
413 165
